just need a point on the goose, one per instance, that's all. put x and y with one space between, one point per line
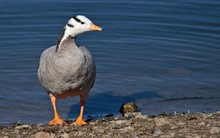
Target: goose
67 69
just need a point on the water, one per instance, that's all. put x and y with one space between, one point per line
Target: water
163 55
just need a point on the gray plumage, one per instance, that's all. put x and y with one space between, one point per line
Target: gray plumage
69 71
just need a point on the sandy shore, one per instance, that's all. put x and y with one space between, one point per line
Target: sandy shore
133 125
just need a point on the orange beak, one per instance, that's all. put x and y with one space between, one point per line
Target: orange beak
94 27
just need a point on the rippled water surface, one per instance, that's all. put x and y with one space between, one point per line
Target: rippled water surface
163 55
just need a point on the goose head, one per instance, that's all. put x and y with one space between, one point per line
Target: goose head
80 24
75 26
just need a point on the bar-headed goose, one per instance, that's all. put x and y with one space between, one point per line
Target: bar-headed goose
67 69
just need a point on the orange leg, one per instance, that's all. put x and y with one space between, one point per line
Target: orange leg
57 120
80 120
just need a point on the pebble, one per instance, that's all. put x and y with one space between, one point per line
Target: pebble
139 115
120 122
216 123
135 115
196 136
23 127
157 132
161 122
17 131
130 114
201 124
208 125
128 128
173 127
80 133
100 130
167 136
215 130
65 135
40 124
42 135
193 136
92 123
18 136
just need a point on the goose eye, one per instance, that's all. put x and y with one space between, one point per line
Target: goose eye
82 23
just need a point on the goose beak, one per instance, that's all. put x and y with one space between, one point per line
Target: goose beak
94 27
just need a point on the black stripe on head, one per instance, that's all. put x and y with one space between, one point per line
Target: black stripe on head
78 20
70 25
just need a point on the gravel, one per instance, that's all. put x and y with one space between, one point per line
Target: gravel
196 125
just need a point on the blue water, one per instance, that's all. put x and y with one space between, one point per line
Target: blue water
159 54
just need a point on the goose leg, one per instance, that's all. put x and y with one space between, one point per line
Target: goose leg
57 120
80 120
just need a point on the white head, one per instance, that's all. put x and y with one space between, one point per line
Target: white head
80 24
77 25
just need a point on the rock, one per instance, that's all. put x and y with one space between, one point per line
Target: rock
201 124
168 135
42 135
173 127
16 131
52 135
92 123
18 136
129 115
181 124
65 135
192 118
23 127
161 122
157 132
101 130
40 124
215 130
196 136
208 125
127 129
80 133
128 107
163 114
217 123
120 122
193 136
52 129
139 115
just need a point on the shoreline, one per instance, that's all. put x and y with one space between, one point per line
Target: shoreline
132 125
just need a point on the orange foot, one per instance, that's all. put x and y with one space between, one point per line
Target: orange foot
57 121
80 121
